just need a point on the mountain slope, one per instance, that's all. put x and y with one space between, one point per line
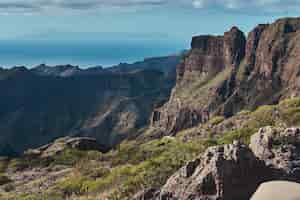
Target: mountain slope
45 103
222 75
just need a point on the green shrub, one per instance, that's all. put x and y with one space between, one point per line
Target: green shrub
18 165
3 165
147 165
216 120
242 135
68 157
4 179
49 196
71 185
263 116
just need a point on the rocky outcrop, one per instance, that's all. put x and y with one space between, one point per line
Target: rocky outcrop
229 172
222 75
279 149
211 54
274 191
78 143
210 57
147 194
235 171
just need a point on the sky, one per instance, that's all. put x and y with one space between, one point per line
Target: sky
165 22
176 19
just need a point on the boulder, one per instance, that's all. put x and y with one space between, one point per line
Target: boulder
280 150
235 171
277 190
229 172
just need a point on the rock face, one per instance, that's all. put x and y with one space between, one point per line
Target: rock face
229 172
235 171
209 57
222 75
279 149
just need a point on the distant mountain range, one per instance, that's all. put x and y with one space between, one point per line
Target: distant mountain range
46 102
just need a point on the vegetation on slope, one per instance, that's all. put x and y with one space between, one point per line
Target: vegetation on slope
136 165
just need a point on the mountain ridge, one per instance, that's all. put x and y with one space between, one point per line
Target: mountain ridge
45 102
232 73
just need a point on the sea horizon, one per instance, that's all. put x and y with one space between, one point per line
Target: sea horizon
82 53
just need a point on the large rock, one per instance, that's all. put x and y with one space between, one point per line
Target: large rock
280 150
235 171
229 172
277 190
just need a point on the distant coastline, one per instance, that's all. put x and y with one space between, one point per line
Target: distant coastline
31 53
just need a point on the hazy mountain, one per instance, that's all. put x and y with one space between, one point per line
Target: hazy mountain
43 103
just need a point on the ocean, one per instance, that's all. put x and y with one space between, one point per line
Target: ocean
30 53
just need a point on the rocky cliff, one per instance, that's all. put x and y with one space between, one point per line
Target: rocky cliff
222 75
235 171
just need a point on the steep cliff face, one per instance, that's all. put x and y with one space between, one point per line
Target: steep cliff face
226 74
204 78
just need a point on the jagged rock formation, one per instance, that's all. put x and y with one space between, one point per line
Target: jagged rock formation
224 172
225 74
279 149
235 171
44 103
209 56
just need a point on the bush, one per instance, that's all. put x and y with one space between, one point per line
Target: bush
68 157
263 116
242 135
71 186
216 120
4 179
134 167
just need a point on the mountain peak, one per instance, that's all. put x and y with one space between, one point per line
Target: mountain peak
58 70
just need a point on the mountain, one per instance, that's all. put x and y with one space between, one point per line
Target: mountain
60 70
230 124
222 75
41 104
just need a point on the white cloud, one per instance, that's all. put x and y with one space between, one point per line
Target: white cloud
8 6
199 3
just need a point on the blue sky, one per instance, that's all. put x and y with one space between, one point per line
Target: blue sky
92 32
141 19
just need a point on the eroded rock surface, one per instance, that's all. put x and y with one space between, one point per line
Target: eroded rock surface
279 149
235 171
225 172
210 57
222 75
